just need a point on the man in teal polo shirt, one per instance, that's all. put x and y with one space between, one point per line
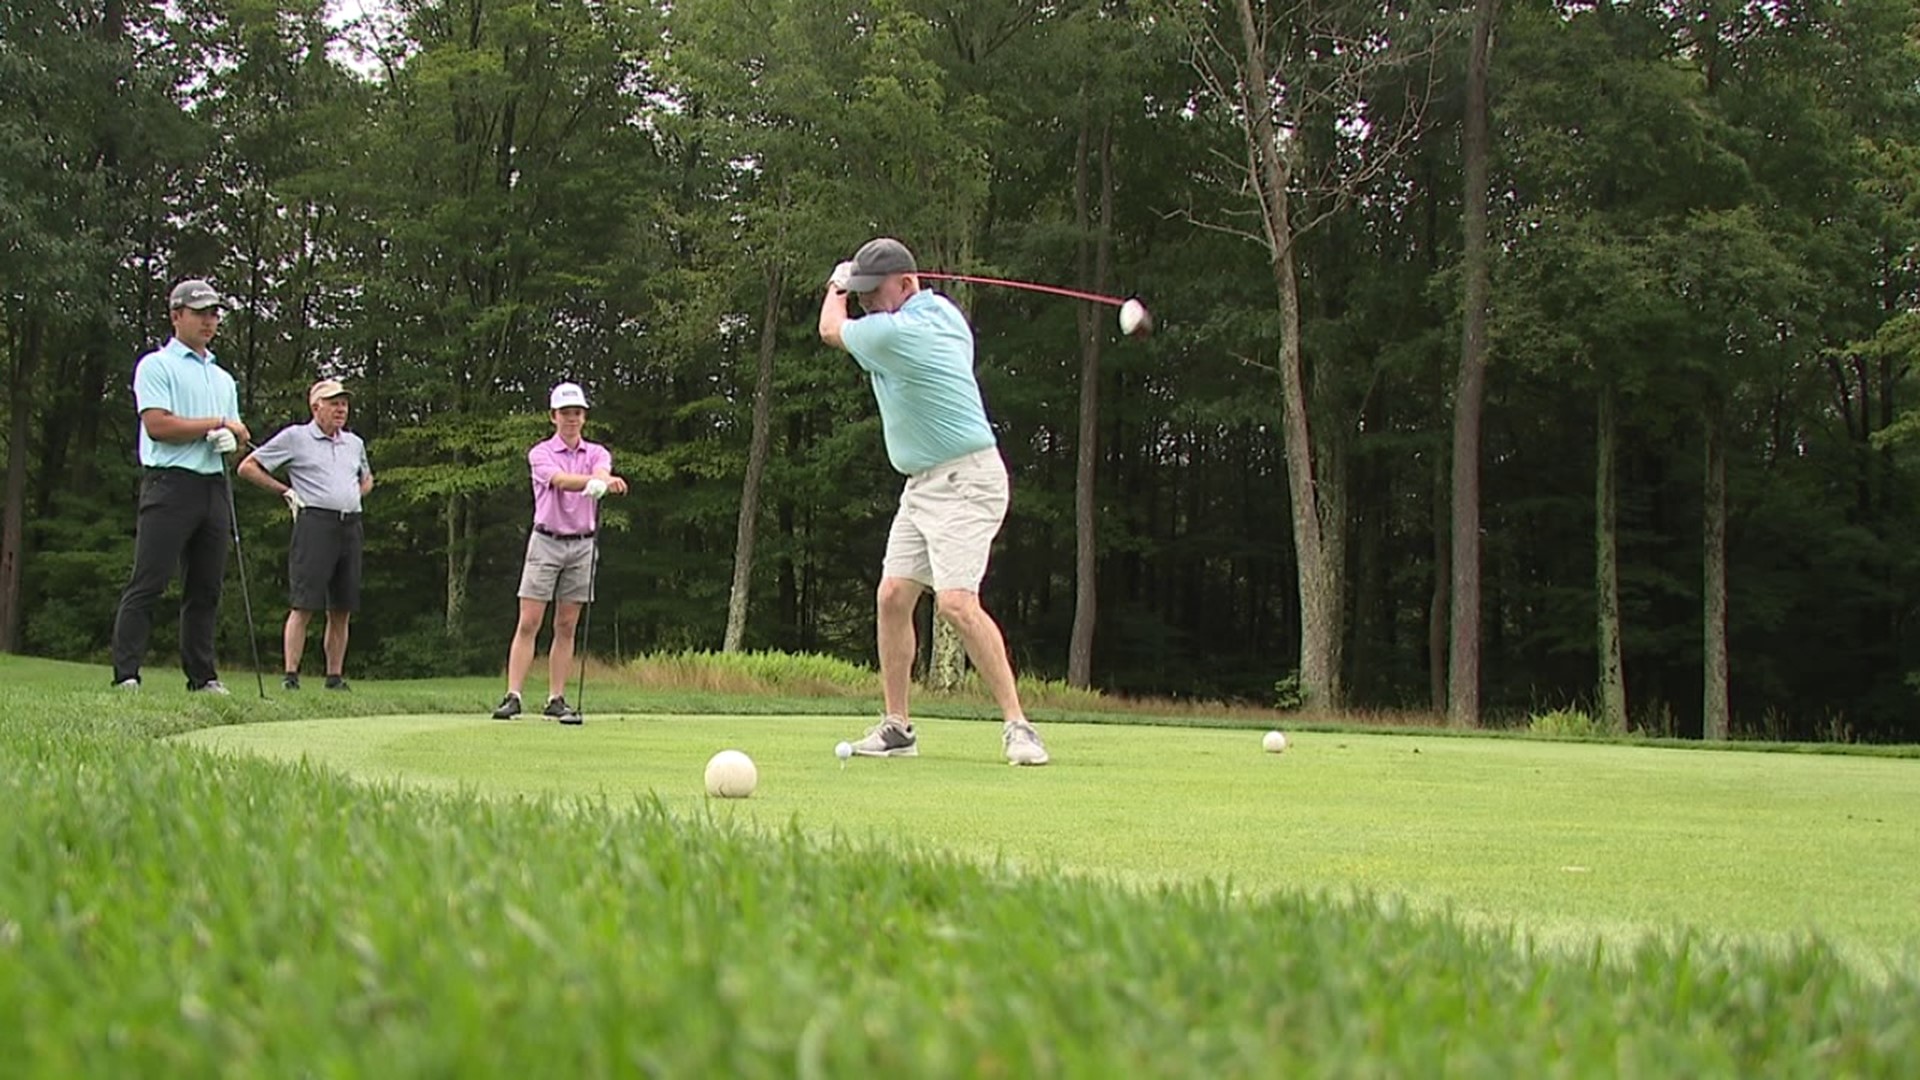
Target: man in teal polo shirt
917 351
189 417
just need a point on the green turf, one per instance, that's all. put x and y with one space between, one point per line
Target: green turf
169 911
1570 842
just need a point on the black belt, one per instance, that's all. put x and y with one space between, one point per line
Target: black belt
549 533
330 515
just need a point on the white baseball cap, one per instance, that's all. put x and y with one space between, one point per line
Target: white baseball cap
568 395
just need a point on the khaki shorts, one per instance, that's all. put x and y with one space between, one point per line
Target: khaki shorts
557 569
948 517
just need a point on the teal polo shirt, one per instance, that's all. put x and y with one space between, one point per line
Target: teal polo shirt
920 360
186 384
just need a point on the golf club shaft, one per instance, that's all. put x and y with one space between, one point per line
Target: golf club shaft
586 617
1030 286
246 598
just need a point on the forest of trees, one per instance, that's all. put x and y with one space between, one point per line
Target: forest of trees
1509 356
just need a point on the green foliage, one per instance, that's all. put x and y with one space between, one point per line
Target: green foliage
1709 210
791 675
802 674
1569 723
461 454
424 644
1288 694
1896 343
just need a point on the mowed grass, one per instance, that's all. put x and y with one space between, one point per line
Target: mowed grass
1570 843
167 911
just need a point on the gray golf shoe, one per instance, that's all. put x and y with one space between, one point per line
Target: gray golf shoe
891 737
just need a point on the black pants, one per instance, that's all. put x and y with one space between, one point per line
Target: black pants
184 522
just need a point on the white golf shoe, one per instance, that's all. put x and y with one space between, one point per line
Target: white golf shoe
1023 744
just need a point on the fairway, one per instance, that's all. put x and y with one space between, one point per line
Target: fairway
1566 842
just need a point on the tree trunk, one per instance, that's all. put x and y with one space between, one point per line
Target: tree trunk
1463 669
1440 606
1093 271
1317 531
743 536
459 563
1714 590
26 360
1606 573
948 665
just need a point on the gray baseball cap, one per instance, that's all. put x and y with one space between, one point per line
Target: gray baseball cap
196 294
876 261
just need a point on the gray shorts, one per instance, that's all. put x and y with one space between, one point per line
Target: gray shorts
558 569
948 517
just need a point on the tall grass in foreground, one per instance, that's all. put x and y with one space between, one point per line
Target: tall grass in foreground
167 913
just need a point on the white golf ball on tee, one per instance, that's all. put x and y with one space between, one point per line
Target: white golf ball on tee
1273 742
843 751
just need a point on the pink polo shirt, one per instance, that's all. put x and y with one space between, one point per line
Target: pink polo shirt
565 512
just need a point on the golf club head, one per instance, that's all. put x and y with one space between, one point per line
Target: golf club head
1135 320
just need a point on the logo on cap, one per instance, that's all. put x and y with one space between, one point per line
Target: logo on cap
196 294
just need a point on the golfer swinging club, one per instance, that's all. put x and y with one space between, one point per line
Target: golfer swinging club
570 475
917 349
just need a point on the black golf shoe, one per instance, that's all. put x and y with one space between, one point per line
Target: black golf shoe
509 707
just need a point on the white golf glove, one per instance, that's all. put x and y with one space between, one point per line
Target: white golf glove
841 275
596 487
222 440
295 503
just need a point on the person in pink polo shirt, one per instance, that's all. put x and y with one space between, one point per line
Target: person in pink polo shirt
570 476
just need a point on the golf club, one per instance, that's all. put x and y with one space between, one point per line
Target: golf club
553 606
1135 320
1030 286
246 598
586 619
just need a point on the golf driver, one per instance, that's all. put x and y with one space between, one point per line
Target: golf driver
246 598
1135 319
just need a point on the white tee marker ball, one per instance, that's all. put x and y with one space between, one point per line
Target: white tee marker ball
843 751
1273 742
1135 321
731 775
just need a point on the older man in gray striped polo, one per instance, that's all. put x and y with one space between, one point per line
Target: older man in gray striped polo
327 476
